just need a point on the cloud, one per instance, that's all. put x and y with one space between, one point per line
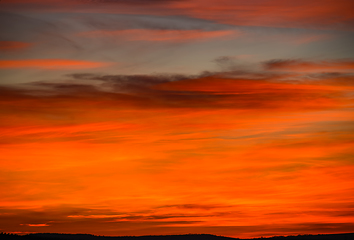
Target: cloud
275 13
57 219
131 2
218 92
51 64
236 89
230 90
310 66
13 45
119 151
64 217
130 83
309 38
194 206
37 225
59 102
163 35
330 14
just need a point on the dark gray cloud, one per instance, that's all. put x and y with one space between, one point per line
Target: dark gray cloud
301 64
235 89
331 78
131 83
65 219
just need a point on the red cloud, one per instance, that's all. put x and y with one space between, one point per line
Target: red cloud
51 64
13 45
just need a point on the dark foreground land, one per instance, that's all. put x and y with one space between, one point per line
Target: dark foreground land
57 236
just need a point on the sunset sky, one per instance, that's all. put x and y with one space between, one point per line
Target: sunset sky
149 117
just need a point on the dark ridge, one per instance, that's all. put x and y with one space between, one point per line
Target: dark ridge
60 236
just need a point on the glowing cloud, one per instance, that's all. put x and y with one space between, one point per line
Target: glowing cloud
51 64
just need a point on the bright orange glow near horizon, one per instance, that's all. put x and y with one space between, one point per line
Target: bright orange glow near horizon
178 117
232 161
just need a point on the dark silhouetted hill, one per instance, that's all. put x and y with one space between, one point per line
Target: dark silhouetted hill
58 236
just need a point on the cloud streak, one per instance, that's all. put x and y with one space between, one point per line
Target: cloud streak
13 45
315 14
50 64
310 66
148 224
162 35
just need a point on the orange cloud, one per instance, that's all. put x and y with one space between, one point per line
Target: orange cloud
162 35
50 64
154 155
37 225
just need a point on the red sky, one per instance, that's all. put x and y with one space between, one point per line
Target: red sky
175 117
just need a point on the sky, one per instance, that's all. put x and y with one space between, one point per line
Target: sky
154 117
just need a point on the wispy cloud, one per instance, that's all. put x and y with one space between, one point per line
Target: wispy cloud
51 64
13 45
36 224
310 66
275 13
162 35
148 223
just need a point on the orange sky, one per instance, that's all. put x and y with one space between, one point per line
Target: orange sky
237 158
109 127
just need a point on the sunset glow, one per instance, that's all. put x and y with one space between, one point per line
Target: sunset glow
221 117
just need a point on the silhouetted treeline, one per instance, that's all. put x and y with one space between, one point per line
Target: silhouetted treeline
59 236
